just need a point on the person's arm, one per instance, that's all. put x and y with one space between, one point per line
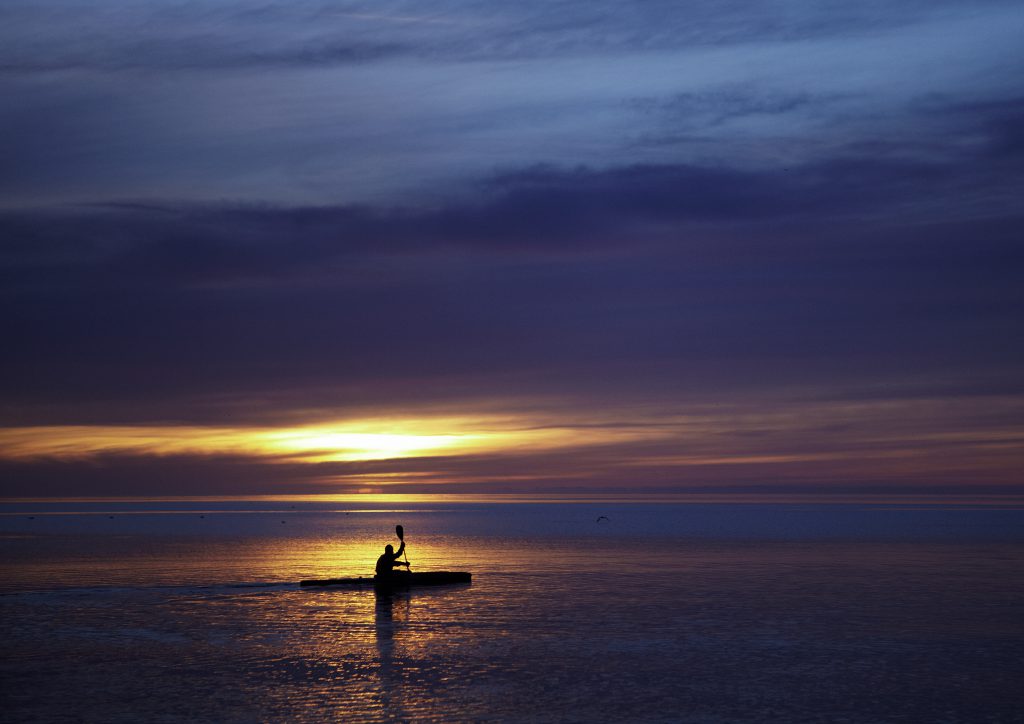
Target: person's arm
401 549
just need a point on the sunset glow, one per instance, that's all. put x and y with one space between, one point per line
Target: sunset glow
349 441
707 451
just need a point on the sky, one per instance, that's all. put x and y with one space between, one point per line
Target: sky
456 246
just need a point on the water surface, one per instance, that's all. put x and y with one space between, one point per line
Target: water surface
189 611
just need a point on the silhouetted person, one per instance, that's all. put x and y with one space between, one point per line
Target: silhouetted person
389 559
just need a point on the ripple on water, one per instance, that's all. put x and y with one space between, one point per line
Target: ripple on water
602 629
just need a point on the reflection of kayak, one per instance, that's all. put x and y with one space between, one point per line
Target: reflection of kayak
396 580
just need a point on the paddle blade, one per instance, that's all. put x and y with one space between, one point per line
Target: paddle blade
401 532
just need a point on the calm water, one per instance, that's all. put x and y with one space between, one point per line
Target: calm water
188 611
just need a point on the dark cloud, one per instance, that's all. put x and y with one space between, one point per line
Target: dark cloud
190 55
658 279
129 475
541 211
1001 121
708 109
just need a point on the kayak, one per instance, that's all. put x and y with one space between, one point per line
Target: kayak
396 580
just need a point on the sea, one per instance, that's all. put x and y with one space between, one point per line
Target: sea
588 610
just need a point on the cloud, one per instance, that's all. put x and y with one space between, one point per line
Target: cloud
541 213
344 106
652 281
117 36
880 448
307 211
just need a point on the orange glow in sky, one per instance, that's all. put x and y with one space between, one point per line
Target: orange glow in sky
814 446
346 441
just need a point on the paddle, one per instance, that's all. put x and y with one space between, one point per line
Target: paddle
401 536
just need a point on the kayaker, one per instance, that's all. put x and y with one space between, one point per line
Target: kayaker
389 559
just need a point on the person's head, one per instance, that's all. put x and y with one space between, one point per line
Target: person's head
389 549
